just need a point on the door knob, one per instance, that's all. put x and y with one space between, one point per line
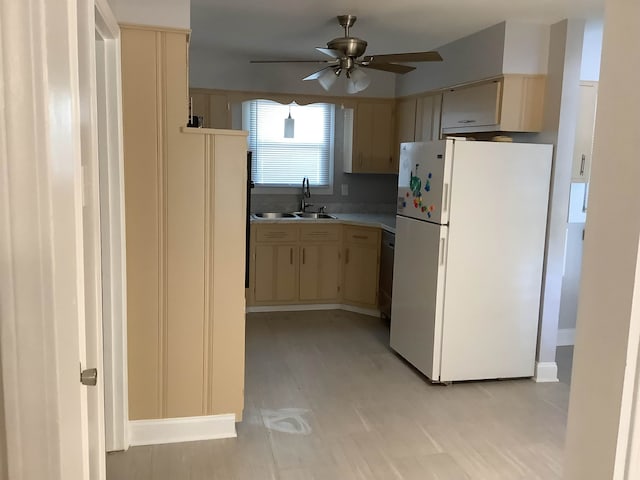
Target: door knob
89 377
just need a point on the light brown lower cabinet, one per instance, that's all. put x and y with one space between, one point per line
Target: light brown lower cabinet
308 264
276 269
361 265
320 272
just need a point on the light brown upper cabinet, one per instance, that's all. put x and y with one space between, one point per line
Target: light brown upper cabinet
513 103
212 107
372 133
417 120
428 111
583 147
406 120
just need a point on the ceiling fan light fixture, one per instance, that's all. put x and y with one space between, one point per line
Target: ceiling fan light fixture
328 78
357 81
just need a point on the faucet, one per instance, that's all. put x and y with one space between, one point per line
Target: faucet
306 193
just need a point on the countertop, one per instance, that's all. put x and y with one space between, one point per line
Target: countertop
386 221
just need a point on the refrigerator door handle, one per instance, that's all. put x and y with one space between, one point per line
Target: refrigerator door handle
442 240
445 199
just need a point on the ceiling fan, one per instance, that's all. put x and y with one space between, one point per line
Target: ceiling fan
347 55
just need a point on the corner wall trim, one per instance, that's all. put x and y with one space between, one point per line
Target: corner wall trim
546 372
185 429
566 336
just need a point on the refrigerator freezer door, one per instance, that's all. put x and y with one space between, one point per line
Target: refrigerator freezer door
418 293
424 180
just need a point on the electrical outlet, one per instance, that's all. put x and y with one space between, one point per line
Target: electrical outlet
345 189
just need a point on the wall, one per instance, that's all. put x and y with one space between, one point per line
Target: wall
561 111
4 474
591 51
367 192
164 13
471 58
526 48
605 365
215 69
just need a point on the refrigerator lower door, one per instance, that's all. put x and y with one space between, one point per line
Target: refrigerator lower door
418 293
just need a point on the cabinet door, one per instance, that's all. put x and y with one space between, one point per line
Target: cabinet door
319 272
361 274
406 120
361 265
276 278
382 158
213 108
583 146
474 106
428 118
373 139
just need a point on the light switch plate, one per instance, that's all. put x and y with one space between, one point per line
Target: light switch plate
344 189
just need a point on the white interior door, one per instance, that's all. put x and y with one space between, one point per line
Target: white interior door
42 242
91 232
112 225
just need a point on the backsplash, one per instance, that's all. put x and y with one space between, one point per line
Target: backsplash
291 203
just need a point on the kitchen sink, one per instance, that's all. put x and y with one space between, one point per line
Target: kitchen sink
314 215
274 215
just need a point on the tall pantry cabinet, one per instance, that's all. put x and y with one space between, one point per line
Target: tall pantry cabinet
184 206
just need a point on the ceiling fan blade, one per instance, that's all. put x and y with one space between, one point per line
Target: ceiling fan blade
388 67
316 75
404 57
289 61
331 52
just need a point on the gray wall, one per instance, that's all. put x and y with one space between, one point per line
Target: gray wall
209 68
471 58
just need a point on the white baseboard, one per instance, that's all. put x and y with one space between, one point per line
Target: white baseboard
184 429
566 336
317 306
546 372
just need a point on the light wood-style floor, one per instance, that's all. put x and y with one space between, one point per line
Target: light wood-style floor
326 399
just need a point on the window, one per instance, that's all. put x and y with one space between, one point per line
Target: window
283 162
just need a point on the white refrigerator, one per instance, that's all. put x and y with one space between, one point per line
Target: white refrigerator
470 239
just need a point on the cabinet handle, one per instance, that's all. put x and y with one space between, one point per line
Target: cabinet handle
346 256
445 200
584 198
361 237
467 121
584 158
291 255
303 256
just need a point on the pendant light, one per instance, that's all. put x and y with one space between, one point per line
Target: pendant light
289 125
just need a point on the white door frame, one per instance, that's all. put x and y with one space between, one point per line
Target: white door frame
113 226
41 242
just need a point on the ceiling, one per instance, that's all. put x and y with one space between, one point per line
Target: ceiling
288 29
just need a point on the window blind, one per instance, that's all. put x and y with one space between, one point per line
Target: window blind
283 162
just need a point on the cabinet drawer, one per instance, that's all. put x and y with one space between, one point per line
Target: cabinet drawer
362 236
320 233
276 233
